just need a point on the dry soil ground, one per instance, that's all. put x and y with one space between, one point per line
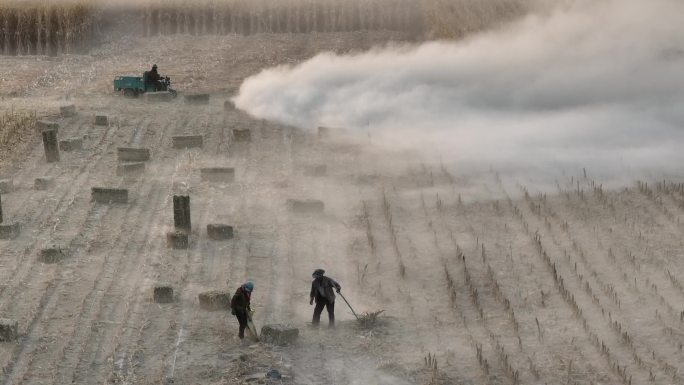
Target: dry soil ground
503 284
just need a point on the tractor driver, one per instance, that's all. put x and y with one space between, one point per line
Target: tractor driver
154 78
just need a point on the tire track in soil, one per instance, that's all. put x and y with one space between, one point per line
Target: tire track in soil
64 351
87 229
136 310
40 353
127 302
134 306
128 298
39 215
85 175
163 337
10 370
190 320
125 269
66 169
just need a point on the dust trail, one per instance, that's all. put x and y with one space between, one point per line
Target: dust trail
590 84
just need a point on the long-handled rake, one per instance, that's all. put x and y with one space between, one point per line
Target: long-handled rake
252 328
350 307
365 320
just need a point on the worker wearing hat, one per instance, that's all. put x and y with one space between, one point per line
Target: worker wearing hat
322 292
240 306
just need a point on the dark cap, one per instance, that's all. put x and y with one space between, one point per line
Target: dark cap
318 273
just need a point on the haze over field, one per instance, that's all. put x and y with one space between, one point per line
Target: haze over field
500 192
589 84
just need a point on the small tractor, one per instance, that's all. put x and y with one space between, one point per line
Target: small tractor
132 86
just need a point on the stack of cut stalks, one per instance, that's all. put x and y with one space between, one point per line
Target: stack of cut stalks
14 125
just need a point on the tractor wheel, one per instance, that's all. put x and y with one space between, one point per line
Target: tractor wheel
130 93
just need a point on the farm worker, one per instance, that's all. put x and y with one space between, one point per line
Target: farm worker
154 78
240 307
322 292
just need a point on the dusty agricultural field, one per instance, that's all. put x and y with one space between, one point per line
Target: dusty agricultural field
483 279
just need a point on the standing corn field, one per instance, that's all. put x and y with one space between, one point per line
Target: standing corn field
456 18
50 27
45 28
442 18
285 16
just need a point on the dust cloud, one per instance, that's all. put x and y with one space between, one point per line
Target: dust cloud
588 84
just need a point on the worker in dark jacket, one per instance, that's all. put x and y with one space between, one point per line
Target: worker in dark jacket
240 306
322 291
154 78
